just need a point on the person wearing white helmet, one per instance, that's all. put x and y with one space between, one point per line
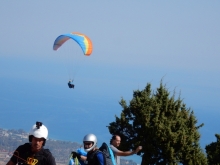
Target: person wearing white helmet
94 156
33 153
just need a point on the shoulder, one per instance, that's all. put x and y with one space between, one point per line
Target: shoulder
114 149
95 157
25 146
98 152
22 151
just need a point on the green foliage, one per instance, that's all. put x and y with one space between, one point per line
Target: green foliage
163 125
213 151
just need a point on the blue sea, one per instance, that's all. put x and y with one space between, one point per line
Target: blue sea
69 114
29 94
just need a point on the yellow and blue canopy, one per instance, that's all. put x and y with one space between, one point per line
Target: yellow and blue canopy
84 42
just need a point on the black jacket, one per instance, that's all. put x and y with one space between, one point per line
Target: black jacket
24 156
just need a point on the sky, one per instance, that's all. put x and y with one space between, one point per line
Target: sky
134 43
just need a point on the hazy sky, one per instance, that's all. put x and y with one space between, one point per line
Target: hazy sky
135 43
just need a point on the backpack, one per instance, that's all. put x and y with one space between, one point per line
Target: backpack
108 154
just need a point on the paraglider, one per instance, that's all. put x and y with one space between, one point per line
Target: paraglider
70 84
82 40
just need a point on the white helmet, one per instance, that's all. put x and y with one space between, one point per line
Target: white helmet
90 138
39 131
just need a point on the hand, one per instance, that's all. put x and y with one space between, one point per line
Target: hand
75 154
138 149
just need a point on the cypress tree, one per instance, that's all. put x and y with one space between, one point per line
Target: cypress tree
163 125
213 151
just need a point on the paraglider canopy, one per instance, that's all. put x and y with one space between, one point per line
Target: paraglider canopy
84 42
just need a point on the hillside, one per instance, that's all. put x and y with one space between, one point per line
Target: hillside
11 139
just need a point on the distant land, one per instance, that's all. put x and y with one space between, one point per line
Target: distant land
11 139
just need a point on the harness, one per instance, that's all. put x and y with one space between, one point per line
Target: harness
92 158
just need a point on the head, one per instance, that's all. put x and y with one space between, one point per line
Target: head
89 142
115 140
38 136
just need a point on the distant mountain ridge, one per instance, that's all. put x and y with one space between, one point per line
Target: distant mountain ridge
11 139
